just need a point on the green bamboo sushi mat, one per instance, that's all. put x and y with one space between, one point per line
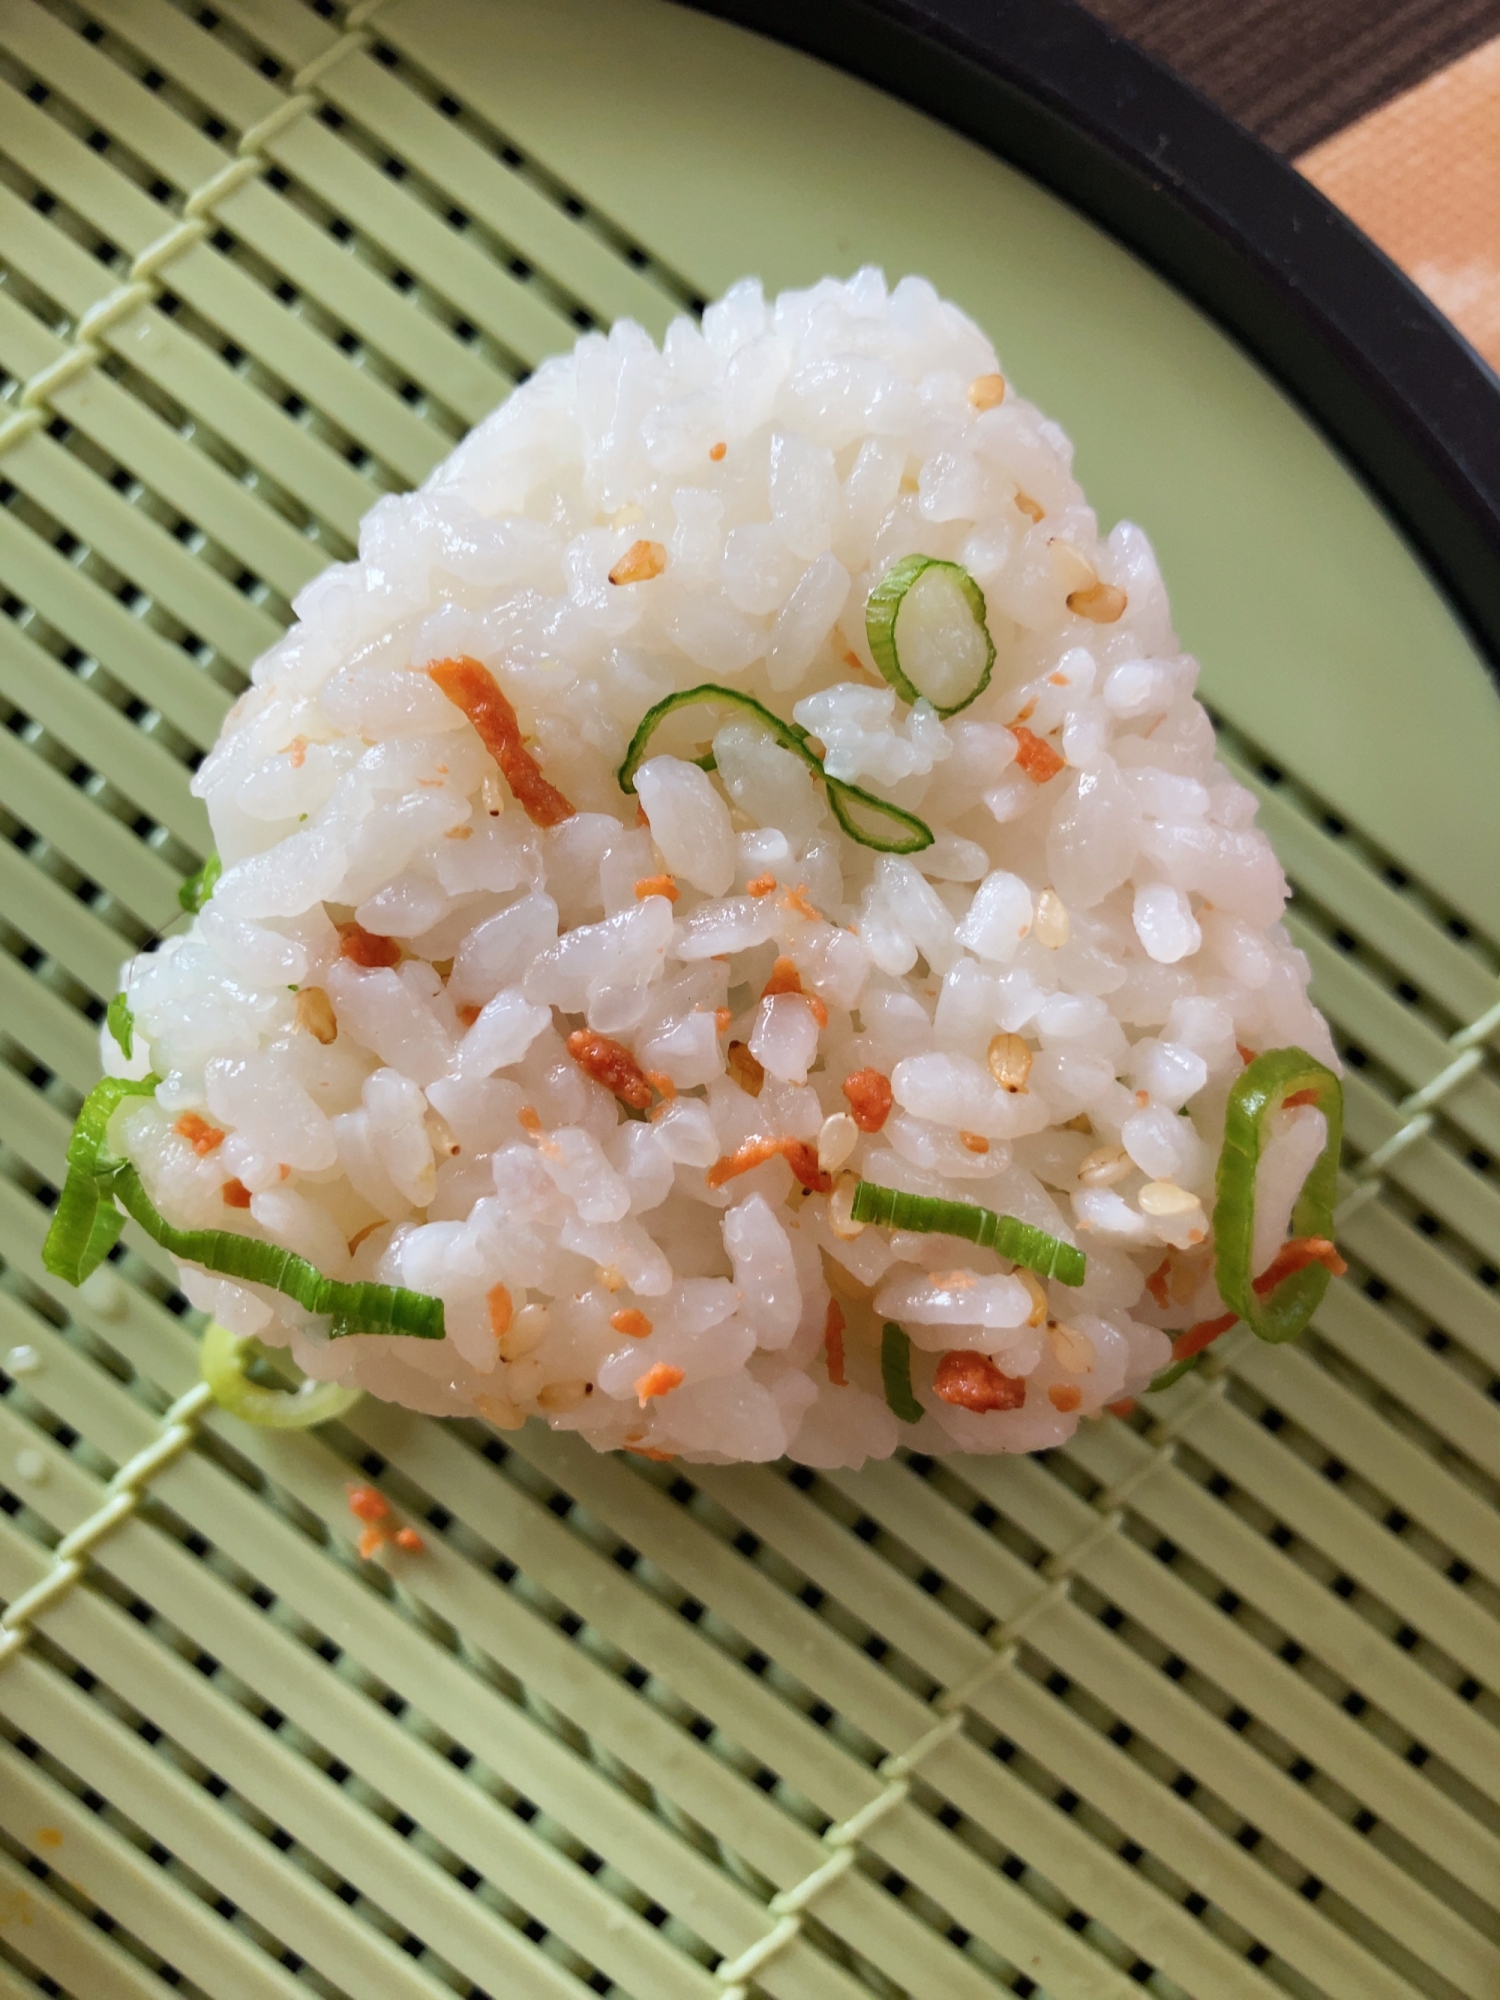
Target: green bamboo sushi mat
1199 1705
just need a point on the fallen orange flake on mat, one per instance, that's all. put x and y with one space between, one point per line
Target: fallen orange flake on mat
368 1503
475 690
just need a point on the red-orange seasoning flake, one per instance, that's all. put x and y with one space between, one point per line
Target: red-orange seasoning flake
529 1119
785 978
1157 1283
200 1135
1299 1097
296 752
371 1542
1246 1056
763 885
797 901
717 451
973 1382
870 1098
236 1194
1295 1255
1035 757
409 1541
475 690
660 1379
722 1018
650 1451
974 1142
657 885
1204 1334
833 1344
1064 1396
363 947
798 1154
468 1014
501 1308
632 1322
662 1084
610 1063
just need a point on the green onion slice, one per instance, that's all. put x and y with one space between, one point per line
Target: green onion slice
87 1222
121 1024
872 821
895 1374
196 890
225 1360
1261 1088
1173 1373
925 624
1021 1242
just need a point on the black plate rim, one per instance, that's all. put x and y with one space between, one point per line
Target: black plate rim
1045 86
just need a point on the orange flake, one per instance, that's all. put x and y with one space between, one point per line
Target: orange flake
632 1322
296 751
1036 758
1032 509
1246 1056
722 1018
973 1382
798 1154
661 1083
1295 1255
48 1836
657 885
650 1451
371 1542
761 886
1064 1396
870 1098
1123 1408
529 1119
1299 1097
660 1379
796 899
474 689
501 1310
363 947
609 1062
717 451
235 1194
952 1281
1143 1098
833 1344
200 1135
409 1540
785 978
975 1142
368 1503
468 1014
1057 680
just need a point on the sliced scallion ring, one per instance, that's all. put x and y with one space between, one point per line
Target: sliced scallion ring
86 1224
872 821
225 1359
1021 1242
927 632
895 1374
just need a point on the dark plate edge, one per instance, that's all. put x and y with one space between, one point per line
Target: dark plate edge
1127 142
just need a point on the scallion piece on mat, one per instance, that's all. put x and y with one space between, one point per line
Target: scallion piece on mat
196 890
1279 1303
872 821
225 1360
1021 1242
895 1374
86 1224
121 1024
925 624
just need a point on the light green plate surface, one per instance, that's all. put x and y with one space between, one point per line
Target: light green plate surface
1203 1704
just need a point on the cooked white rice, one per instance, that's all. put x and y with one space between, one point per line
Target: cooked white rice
1119 921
